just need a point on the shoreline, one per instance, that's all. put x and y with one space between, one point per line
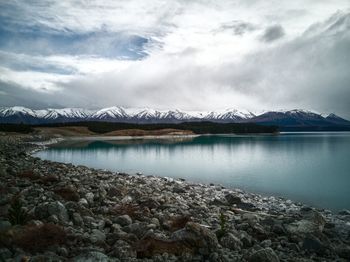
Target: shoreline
121 217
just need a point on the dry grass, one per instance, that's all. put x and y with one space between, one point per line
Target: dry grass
49 179
178 222
65 131
151 246
132 210
68 193
140 132
39 238
29 174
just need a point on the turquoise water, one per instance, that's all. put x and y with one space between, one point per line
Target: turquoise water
309 167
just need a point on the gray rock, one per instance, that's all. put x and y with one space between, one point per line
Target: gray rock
198 237
344 212
313 244
231 242
77 219
264 255
48 209
123 220
343 252
83 202
5 253
92 256
123 250
97 236
4 225
89 197
233 199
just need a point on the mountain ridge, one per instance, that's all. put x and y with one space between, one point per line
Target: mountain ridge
296 118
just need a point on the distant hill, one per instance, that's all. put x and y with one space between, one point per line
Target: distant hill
288 120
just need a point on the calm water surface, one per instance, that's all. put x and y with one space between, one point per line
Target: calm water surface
310 167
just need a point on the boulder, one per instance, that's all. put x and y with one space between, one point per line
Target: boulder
264 255
97 236
233 199
198 237
123 220
92 256
52 209
231 242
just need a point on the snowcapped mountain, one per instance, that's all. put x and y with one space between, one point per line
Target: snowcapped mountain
287 119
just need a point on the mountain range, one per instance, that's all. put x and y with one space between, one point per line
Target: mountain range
287 120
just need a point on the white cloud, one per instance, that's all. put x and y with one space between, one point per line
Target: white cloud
196 57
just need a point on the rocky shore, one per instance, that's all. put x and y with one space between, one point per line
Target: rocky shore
60 212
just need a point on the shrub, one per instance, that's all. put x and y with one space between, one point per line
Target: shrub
39 238
16 214
223 226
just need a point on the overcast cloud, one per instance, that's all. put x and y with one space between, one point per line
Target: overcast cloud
195 55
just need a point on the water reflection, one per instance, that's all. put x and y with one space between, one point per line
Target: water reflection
313 168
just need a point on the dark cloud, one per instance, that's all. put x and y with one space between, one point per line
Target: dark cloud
273 33
12 95
238 27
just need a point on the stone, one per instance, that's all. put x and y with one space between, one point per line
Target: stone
83 202
344 212
313 244
343 252
246 239
5 253
197 236
123 220
231 242
97 236
54 208
4 225
233 199
77 219
92 256
123 250
264 255
89 197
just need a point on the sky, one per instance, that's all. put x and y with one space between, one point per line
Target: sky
191 55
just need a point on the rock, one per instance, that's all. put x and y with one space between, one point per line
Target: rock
278 229
231 242
83 202
139 229
123 250
197 237
4 225
92 256
266 243
246 239
264 255
313 244
5 253
233 199
89 197
123 220
77 219
343 252
344 212
47 257
97 236
48 209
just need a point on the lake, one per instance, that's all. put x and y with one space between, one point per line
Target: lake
313 168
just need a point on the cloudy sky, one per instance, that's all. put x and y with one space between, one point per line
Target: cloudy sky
192 55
